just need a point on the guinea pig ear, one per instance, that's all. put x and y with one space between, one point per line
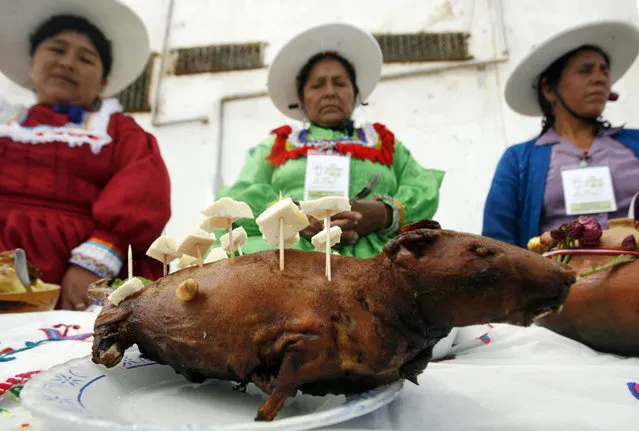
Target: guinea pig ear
422 224
413 244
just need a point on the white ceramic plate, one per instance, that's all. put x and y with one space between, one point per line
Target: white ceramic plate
442 348
141 395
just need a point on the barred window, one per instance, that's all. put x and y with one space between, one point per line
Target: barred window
219 58
135 98
413 47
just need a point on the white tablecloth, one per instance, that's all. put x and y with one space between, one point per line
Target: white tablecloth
509 379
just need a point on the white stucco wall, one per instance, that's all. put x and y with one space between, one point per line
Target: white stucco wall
454 120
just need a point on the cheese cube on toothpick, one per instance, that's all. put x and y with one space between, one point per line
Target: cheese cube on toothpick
331 205
319 240
324 208
128 288
224 212
216 254
194 242
228 208
164 249
293 221
186 261
209 224
280 222
288 242
239 238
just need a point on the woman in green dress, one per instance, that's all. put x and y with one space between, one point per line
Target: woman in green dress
319 78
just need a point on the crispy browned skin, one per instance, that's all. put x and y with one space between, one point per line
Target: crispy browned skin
376 322
602 309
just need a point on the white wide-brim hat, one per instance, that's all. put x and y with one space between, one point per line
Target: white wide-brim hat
119 24
618 39
360 48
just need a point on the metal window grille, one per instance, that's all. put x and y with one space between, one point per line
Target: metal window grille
135 98
414 47
219 58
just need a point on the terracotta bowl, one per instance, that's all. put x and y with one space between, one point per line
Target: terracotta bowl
42 300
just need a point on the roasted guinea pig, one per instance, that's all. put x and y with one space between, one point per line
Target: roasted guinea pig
602 309
375 322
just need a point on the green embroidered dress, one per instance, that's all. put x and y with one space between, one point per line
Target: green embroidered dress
279 164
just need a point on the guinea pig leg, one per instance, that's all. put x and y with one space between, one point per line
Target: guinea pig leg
304 361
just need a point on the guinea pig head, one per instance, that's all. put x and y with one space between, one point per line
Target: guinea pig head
460 279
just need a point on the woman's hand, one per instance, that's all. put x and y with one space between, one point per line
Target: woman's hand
347 221
75 285
375 216
365 217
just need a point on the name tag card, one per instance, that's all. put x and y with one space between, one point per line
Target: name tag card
588 190
327 175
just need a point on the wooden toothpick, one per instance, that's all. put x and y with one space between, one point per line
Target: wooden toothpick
327 222
199 255
130 262
281 244
231 241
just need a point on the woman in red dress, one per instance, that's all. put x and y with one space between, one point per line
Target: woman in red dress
79 180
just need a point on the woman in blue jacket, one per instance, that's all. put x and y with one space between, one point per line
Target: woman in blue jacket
578 164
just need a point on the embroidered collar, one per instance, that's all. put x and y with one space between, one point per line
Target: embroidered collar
92 129
364 135
372 142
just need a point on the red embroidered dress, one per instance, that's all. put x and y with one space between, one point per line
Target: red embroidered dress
83 192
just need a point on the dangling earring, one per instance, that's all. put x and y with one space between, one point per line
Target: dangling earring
306 123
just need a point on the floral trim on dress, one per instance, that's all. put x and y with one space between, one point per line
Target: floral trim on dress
99 257
374 142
